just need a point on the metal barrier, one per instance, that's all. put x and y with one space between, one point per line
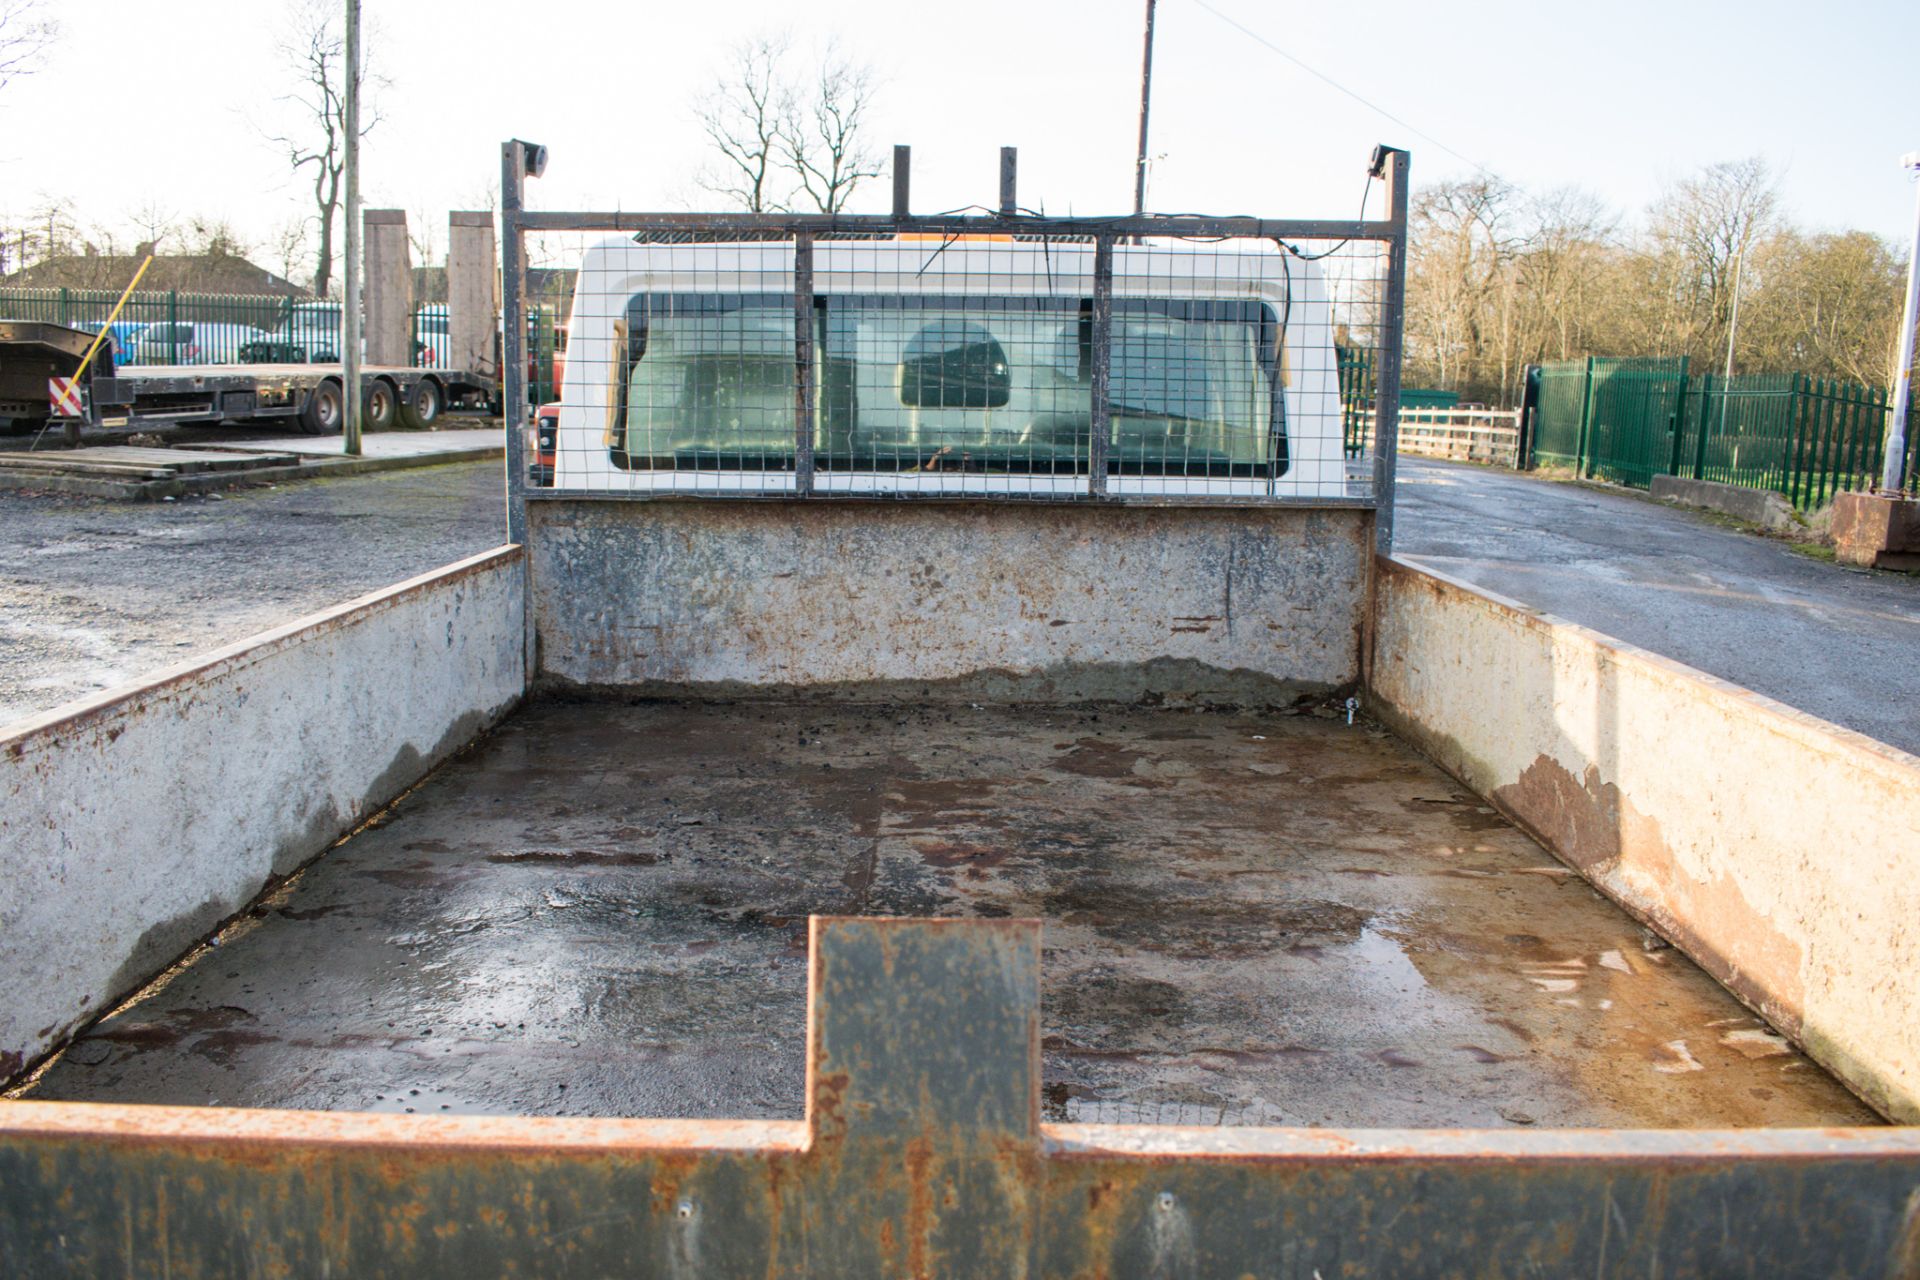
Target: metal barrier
1629 420
994 355
922 1155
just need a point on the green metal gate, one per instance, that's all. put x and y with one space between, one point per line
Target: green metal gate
1628 420
1633 413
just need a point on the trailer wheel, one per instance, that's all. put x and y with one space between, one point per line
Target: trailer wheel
325 410
382 406
424 402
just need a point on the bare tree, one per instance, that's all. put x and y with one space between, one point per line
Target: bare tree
25 33
1699 226
820 133
289 245
314 52
742 116
785 137
154 221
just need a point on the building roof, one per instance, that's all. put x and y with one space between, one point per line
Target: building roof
187 272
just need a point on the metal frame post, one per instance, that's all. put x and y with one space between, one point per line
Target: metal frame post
513 337
1677 422
1386 397
1100 441
803 364
902 179
350 393
1009 181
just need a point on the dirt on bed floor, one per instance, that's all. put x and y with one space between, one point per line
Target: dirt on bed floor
601 909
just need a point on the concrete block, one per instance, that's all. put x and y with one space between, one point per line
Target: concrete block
388 291
473 298
1763 507
1879 531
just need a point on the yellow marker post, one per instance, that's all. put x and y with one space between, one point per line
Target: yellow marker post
107 328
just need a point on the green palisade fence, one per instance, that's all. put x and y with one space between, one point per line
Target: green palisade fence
1356 397
1558 431
1633 410
1630 420
166 327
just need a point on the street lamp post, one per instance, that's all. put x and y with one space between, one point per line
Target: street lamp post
1903 370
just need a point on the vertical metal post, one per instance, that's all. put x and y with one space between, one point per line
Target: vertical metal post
350 308
1101 442
902 179
803 364
513 340
1677 421
1582 440
1894 460
1009 180
1146 97
1386 399
1700 428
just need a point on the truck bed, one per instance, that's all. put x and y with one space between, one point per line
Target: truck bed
600 909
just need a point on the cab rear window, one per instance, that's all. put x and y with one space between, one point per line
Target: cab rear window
906 383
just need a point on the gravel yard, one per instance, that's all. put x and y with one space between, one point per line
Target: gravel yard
96 593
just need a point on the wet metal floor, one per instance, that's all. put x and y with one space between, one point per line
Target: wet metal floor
601 910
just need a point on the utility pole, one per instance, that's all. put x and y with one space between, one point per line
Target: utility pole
350 308
1903 371
1733 328
1146 96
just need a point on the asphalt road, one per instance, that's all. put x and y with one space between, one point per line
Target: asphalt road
97 593
1840 643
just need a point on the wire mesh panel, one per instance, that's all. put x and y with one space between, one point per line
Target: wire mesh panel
1153 358
920 364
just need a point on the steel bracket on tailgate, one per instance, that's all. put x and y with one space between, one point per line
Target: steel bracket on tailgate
922 1155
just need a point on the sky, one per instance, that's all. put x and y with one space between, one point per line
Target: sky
172 104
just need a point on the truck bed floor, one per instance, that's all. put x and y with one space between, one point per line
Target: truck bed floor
601 909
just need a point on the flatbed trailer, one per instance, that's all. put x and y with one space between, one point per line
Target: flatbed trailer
160 397
733 883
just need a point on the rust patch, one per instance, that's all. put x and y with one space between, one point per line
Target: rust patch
1095 758
949 853
1623 852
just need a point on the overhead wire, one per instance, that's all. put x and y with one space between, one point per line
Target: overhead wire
1322 76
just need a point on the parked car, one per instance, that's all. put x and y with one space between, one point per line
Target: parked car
193 342
310 335
121 336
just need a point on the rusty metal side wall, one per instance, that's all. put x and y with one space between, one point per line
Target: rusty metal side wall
134 822
991 602
1779 851
423 1201
920 1156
